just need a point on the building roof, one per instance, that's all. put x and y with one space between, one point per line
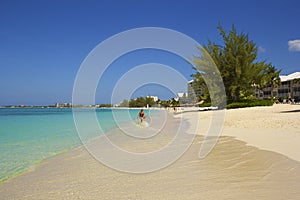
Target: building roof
289 77
181 94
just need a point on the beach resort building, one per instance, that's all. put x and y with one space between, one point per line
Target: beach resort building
155 98
192 93
63 105
190 97
182 97
288 91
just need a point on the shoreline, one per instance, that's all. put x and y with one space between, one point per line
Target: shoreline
37 163
232 163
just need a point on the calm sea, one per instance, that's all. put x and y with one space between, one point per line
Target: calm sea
30 135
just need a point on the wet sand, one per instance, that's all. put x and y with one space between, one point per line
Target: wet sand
234 169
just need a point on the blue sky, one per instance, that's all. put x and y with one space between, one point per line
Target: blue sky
43 43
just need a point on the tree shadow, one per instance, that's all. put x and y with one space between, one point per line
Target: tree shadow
290 111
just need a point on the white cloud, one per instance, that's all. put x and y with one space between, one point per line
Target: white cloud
261 49
294 45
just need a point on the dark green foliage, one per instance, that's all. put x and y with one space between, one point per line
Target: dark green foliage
209 79
296 81
200 83
105 105
238 65
208 104
249 103
150 101
165 103
141 102
138 102
174 103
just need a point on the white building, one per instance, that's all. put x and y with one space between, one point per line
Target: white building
289 90
290 87
155 98
192 92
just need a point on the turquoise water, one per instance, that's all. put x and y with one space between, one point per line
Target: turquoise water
30 135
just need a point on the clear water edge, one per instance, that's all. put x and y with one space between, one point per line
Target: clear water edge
29 136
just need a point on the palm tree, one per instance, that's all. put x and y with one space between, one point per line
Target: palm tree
270 78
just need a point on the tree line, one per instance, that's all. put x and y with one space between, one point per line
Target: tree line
138 102
144 101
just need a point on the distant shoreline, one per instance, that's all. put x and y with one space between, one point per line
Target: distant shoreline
153 108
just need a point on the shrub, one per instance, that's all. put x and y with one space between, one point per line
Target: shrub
249 103
206 104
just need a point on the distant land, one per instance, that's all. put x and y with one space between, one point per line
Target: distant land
59 105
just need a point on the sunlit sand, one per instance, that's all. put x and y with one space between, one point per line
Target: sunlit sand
256 157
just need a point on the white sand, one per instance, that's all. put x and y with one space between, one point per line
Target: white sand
232 170
275 128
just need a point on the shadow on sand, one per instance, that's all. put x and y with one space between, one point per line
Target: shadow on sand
290 111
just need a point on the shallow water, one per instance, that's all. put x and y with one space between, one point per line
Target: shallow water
30 135
232 170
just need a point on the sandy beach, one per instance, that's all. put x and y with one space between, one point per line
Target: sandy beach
257 156
275 128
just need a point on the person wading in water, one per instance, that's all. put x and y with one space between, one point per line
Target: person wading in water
142 115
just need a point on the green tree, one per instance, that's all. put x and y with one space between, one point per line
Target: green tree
174 103
124 103
209 79
165 103
105 105
269 78
138 102
150 101
200 83
237 63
